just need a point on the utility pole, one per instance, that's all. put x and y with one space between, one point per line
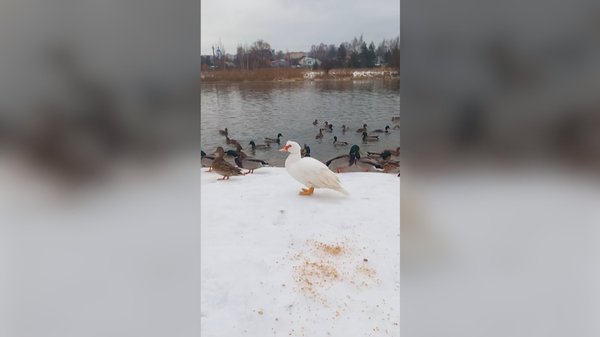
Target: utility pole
213 58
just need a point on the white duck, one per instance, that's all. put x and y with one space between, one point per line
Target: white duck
309 171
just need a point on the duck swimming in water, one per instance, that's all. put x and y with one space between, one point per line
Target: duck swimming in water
305 152
274 140
387 128
363 129
338 143
224 132
367 138
259 146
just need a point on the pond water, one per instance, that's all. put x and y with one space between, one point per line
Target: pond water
253 111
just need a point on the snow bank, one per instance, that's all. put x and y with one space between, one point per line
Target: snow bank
374 73
312 74
278 264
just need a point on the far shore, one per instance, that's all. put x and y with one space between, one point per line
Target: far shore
297 74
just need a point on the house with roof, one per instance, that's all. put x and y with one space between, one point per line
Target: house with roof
308 62
280 63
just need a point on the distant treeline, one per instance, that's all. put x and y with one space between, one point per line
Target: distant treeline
354 54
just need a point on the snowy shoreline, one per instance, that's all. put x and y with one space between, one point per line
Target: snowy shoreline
279 264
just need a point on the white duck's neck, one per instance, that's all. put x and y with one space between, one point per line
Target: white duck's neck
292 158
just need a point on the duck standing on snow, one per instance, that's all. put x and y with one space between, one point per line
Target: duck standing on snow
353 158
206 160
274 140
345 161
224 168
309 171
250 164
391 166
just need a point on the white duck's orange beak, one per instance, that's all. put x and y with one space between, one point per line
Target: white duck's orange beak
285 148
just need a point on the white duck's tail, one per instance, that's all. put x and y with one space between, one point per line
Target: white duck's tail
333 182
340 189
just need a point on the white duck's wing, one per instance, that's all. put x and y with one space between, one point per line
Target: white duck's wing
314 173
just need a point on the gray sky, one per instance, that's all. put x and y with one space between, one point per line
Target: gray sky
295 25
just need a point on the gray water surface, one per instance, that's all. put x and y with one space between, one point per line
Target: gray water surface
253 111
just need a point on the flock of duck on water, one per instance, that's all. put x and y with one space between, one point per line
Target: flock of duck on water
231 162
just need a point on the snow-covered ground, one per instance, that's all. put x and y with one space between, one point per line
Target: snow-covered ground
278 264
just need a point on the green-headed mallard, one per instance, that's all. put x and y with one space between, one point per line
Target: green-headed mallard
367 138
353 158
320 134
345 161
248 163
224 132
339 143
259 146
222 167
395 153
385 155
274 140
363 129
387 128
206 160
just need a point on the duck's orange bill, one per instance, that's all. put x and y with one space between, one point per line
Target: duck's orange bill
285 148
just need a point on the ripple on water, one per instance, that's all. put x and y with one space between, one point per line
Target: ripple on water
252 111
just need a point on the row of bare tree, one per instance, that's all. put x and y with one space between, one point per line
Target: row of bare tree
353 54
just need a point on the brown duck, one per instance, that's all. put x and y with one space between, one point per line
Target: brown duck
222 167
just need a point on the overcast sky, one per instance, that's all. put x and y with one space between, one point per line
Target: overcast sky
295 25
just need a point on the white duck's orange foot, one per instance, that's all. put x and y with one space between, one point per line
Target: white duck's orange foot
307 191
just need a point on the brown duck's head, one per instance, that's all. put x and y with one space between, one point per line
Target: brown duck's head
219 152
